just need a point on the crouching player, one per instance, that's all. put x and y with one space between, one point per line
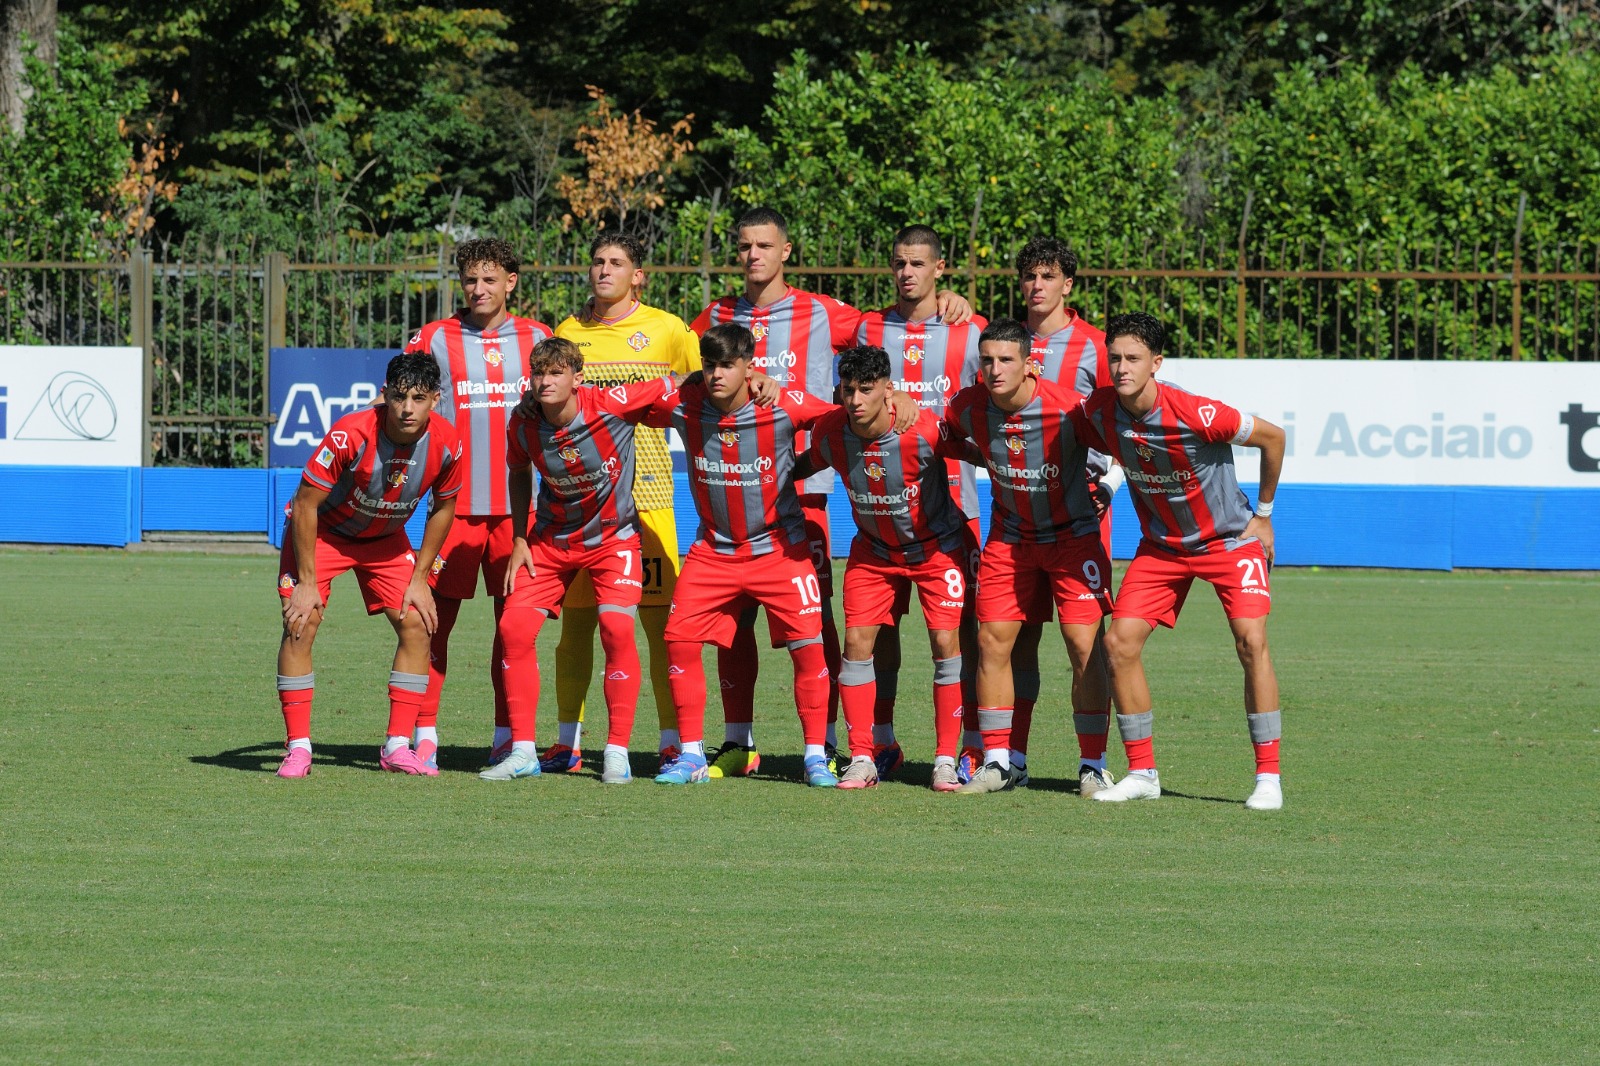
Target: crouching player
355 497
1177 449
1045 530
752 549
910 532
581 439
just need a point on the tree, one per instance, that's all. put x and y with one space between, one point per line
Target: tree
24 24
627 163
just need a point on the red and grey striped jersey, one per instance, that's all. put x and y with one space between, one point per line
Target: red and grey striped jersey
586 466
1073 356
482 374
740 465
1179 462
374 485
1036 462
930 361
796 340
898 485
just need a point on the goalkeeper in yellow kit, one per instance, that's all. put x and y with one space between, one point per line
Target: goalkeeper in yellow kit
622 340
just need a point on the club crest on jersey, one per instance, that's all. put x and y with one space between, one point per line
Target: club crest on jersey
397 478
1034 366
638 342
913 353
760 329
493 357
569 453
1207 413
729 437
875 471
1016 445
1146 452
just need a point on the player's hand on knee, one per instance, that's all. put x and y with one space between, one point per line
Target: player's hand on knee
521 558
301 606
419 597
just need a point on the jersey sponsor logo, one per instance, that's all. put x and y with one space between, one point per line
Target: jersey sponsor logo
936 387
761 465
1208 412
638 342
913 353
1048 472
325 457
1177 477
492 388
729 437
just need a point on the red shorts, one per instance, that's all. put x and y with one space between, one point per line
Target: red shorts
715 589
613 566
1075 573
873 586
1038 608
475 543
1157 582
383 566
814 507
971 555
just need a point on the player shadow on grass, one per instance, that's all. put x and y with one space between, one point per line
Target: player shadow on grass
264 758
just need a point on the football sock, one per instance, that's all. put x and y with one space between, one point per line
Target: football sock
520 628
833 659
830 735
622 674
406 693
428 733
439 655
303 742
621 749
575 662
1138 740
737 669
502 735
1019 759
1265 731
995 723
394 744
882 732
653 620
1026 684
688 692
883 705
670 739
814 751
694 747
858 686
497 676
739 733
1092 730
970 738
947 706
569 733
524 746
811 692
294 697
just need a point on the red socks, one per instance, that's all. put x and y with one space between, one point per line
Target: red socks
622 674
406 693
947 714
294 697
811 680
518 633
688 679
858 692
737 669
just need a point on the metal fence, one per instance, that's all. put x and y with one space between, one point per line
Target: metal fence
205 324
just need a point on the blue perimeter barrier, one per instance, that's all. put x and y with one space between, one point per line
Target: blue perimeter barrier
1419 527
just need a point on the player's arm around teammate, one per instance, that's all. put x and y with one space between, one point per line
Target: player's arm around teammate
1178 451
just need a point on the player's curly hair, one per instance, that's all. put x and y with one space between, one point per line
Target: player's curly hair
487 250
863 364
919 235
631 245
553 353
725 343
1048 251
412 370
1145 327
1007 331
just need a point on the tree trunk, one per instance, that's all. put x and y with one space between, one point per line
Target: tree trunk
22 22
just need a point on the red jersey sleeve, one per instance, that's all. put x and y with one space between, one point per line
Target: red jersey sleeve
702 321
665 405
448 481
337 452
804 408
516 454
1213 420
843 322
949 443
1083 426
635 402
822 455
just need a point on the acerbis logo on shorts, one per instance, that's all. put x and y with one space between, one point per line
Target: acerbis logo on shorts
626 582
948 603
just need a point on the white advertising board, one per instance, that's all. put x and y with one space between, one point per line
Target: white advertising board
1370 423
71 406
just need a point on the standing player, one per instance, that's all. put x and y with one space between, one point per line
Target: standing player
482 352
930 360
583 442
911 532
1070 352
751 548
355 497
796 334
1177 449
623 341
1044 532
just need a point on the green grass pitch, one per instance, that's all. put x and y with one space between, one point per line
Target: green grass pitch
1428 894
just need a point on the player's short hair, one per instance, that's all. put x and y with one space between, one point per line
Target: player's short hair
487 250
412 370
919 234
863 364
1007 331
1048 251
726 343
553 353
631 245
1145 327
763 216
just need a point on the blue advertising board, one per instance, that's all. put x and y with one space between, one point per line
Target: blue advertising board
312 388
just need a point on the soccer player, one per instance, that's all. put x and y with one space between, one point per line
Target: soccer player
582 440
1044 530
751 549
350 513
1177 449
1068 351
910 532
624 341
930 360
482 352
797 334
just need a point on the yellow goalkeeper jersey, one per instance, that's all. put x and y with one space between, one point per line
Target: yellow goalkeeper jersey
649 343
